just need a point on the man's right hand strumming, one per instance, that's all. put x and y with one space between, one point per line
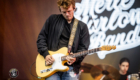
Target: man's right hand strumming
49 60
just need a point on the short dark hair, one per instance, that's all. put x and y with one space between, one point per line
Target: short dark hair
124 60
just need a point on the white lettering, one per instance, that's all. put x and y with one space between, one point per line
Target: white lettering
119 19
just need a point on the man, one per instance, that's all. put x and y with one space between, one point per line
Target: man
55 34
124 66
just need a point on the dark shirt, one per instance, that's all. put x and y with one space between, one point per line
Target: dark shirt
64 37
124 77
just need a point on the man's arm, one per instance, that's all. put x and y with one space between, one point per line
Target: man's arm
84 43
42 43
42 40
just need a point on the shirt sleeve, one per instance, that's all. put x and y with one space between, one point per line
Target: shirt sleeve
42 39
84 43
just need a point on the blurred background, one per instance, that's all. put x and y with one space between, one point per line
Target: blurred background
110 22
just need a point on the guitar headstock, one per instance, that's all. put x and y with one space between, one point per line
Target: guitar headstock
107 48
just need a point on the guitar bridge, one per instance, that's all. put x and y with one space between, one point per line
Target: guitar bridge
46 70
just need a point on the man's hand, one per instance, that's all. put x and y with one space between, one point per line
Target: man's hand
49 59
70 59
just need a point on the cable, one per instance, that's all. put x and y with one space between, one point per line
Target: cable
31 72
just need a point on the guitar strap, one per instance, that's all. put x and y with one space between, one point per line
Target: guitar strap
72 35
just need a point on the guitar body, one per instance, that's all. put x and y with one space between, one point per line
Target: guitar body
44 71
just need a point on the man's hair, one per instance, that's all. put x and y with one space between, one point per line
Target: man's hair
66 3
124 60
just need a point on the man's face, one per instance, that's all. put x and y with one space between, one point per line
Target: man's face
67 13
124 67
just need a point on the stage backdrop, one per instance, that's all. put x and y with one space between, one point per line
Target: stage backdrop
110 22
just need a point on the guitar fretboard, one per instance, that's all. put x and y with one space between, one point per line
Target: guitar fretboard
81 53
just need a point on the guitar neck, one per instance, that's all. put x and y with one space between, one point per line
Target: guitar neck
81 53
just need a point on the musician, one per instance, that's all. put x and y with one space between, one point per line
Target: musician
55 34
124 66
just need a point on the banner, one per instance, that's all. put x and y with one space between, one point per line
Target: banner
111 22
